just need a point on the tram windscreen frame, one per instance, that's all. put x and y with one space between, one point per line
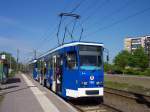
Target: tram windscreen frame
91 57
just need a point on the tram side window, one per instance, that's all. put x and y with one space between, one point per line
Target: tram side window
71 60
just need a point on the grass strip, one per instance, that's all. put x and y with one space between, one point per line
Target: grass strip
127 87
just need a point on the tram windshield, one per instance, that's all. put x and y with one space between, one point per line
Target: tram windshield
90 57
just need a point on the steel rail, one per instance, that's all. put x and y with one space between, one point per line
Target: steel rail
126 94
97 108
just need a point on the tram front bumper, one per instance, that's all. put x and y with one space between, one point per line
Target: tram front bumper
85 92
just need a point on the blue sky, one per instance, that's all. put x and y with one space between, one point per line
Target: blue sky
32 24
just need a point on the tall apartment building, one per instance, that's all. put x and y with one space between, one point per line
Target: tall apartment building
130 44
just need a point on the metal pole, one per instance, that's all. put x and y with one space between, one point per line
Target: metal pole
35 54
64 35
73 29
10 64
17 60
59 30
81 34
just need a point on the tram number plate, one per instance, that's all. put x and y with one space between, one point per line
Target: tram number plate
91 82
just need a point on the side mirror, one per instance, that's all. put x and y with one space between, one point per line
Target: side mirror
107 58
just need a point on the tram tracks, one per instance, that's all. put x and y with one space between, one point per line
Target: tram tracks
129 95
98 108
110 107
127 101
95 107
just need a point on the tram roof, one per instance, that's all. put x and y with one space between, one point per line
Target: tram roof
71 44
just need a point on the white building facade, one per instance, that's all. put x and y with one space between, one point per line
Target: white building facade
130 44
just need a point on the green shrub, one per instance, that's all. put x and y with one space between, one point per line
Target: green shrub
117 70
12 74
107 67
146 72
132 71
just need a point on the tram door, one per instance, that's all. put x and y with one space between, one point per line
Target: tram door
57 73
59 69
54 73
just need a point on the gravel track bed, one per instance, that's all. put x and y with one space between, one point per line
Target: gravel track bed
92 106
127 102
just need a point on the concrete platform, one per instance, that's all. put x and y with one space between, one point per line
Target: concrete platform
23 94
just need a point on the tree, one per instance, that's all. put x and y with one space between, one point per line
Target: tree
139 59
122 59
107 67
10 59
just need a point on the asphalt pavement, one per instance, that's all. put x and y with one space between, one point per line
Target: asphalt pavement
23 94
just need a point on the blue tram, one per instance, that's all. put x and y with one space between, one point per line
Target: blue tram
72 70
